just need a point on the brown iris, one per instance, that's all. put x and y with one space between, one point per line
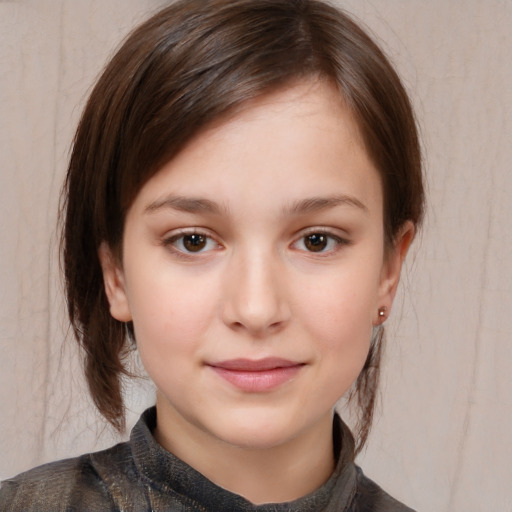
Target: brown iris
194 243
316 242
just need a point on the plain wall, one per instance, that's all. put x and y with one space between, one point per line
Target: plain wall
441 441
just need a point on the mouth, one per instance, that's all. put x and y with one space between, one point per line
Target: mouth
257 376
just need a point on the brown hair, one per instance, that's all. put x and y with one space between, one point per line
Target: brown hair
193 63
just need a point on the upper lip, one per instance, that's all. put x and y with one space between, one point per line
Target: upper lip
255 365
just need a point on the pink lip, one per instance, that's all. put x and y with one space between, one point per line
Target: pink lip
256 375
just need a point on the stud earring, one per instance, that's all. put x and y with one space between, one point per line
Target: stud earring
382 312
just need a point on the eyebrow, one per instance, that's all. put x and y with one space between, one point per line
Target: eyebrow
185 204
314 204
304 206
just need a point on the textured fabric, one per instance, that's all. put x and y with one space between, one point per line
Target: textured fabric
141 475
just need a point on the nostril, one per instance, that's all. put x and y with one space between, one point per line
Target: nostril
254 301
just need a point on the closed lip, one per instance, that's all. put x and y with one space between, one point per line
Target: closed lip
257 375
255 365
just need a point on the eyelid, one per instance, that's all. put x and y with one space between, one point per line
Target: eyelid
324 230
170 238
341 240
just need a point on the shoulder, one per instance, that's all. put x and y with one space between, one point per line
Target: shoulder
369 497
67 485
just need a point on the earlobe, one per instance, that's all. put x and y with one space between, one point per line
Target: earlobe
113 280
390 275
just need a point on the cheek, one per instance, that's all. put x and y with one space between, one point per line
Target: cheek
171 318
338 302
171 312
337 314
342 333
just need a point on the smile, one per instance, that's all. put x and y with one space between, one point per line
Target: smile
256 376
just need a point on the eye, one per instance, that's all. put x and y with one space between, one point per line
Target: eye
319 242
191 242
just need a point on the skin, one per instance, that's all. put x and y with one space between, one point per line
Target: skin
285 173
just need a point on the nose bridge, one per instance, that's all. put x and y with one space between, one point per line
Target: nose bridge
256 297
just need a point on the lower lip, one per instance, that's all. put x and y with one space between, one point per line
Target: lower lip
258 381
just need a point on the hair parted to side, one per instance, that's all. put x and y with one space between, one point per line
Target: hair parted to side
192 64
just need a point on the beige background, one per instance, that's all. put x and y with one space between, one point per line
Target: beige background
442 439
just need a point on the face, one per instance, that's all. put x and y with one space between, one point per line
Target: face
253 270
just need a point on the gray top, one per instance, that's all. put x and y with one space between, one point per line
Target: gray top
140 475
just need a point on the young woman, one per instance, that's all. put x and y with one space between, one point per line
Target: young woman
244 185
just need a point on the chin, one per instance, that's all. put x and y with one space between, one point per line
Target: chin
257 430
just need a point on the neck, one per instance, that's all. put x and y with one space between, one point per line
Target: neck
274 474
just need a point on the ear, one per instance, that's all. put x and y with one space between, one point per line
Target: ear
391 268
113 279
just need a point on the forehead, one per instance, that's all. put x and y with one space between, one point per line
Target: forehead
298 142
315 98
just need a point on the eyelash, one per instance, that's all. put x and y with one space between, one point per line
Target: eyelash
172 240
338 241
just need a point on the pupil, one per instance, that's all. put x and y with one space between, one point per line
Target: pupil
194 243
316 242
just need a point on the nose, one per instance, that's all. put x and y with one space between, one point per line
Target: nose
255 294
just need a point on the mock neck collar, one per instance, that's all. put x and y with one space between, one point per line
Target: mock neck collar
169 474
